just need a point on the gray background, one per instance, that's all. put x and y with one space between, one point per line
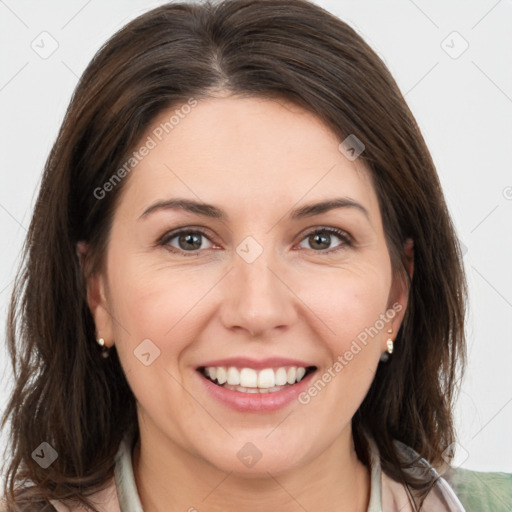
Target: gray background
462 100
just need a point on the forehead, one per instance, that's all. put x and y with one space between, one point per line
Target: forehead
248 152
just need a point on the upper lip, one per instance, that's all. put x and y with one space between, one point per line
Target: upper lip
257 364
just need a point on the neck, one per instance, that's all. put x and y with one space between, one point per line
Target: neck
171 479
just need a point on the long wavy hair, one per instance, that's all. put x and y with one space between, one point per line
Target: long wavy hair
65 393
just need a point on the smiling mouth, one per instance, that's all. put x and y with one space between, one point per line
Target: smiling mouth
249 380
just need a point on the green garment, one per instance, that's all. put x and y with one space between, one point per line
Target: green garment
480 491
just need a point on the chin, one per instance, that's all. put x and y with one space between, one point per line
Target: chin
257 458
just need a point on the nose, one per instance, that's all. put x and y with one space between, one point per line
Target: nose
256 297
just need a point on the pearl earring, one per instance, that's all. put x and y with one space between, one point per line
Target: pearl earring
389 350
105 350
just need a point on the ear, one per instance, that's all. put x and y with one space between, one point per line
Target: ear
399 293
96 297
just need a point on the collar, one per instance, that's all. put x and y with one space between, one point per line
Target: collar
129 500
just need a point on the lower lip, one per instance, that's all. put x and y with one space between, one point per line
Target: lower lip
256 402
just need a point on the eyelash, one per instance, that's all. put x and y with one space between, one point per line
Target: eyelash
342 235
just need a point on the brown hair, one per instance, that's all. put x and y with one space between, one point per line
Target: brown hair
80 403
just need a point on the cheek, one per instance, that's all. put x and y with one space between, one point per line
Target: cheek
156 302
161 305
351 303
350 306
347 301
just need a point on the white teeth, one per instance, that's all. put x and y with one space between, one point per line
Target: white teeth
266 378
221 375
281 377
233 377
248 378
251 380
254 390
300 373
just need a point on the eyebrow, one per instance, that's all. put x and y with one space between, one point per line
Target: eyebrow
209 210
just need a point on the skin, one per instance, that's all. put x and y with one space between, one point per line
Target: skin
256 159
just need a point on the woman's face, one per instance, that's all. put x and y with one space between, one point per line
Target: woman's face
258 280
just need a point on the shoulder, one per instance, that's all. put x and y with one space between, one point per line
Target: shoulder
104 500
388 494
40 507
481 491
23 505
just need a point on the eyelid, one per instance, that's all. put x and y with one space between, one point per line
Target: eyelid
330 229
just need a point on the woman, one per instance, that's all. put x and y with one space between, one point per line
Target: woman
242 288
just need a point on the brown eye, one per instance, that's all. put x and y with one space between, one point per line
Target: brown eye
321 239
189 241
185 241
